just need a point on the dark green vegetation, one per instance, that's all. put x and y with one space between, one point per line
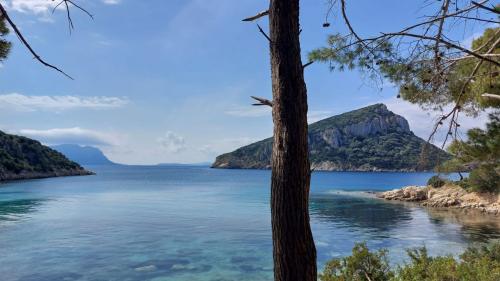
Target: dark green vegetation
480 153
24 158
363 265
83 155
368 139
4 44
436 181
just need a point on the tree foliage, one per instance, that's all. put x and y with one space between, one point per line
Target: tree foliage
416 75
476 263
4 44
480 153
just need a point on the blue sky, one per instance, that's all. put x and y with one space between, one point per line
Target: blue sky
170 80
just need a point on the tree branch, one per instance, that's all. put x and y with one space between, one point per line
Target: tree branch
493 96
262 101
485 7
447 43
257 16
27 45
308 64
263 33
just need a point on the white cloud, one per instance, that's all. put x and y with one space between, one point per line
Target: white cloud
224 145
43 7
261 111
422 122
74 135
32 103
172 142
249 111
111 2
467 42
316 115
32 6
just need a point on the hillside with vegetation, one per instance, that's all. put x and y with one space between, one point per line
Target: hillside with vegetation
368 139
24 158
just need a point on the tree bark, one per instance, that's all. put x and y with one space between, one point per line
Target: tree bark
294 252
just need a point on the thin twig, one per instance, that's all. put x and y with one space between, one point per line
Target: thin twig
308 64
485 7
263 33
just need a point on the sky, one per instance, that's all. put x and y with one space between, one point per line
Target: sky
169 81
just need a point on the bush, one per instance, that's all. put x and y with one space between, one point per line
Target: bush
436 181
481 264
485 179
422 267
464 183
362 265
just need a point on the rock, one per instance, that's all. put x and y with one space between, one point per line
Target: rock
448 196
410 194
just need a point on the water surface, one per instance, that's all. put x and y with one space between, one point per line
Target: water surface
196 223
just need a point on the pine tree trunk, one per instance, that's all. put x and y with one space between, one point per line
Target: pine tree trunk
293 246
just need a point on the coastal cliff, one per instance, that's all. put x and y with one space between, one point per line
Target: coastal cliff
368 139
24 158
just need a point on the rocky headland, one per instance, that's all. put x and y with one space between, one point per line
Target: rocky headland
370 139
448 196
24 158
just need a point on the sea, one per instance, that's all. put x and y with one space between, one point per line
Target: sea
196 223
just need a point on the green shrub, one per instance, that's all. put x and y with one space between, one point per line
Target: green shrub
362 265
475 264
422 267
436 181
485 179
464 183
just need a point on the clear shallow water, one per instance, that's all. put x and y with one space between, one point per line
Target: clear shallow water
195 223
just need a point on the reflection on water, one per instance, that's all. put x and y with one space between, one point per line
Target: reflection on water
15 209
358 211
476 226
172 223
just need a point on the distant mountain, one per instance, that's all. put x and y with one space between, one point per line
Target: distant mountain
83 155
368 139
24 158
201 164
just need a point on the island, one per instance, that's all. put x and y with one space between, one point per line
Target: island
368 139
83 155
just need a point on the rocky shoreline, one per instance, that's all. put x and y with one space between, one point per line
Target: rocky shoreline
39 175
448 196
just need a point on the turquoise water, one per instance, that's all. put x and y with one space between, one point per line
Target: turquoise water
196 223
